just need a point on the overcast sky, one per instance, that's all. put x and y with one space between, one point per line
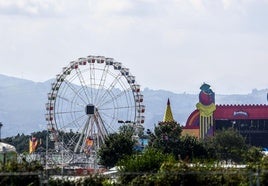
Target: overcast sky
174 45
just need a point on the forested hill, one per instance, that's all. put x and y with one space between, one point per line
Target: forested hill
22 104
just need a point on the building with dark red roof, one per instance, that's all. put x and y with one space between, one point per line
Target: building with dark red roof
251 121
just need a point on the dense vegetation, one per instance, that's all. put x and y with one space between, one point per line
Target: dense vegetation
20 173
168 159
173 159
116 146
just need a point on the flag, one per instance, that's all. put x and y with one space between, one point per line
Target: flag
33 142
89 142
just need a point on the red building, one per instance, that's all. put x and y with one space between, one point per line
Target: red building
251 121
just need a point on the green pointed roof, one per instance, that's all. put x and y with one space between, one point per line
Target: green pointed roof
168 117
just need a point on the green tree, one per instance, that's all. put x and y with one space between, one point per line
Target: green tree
126 130
253 155
20 167
137 165
115 147
191 148
228 145
166 137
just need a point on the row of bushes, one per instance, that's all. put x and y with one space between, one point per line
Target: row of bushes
20 179
168 174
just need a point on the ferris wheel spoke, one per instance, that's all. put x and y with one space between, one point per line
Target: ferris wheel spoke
117 108
74 90
79 121
114 97
112 116
101 125
109 127
68 112
71 102
63 98
116 112
102 81
92 79
82 83
74 122
109 89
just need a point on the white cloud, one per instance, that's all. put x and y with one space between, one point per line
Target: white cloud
31 7
103 7
173 44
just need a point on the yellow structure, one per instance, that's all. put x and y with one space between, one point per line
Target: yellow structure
168 117
205 118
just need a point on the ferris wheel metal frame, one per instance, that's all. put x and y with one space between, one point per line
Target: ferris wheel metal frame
86 102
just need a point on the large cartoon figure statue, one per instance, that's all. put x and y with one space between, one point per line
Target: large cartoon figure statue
206 95
206 107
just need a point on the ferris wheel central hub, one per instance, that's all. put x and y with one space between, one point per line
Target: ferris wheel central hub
90 109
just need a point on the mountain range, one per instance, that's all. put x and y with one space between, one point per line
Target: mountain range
22 104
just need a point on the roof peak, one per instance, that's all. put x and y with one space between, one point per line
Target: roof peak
168 116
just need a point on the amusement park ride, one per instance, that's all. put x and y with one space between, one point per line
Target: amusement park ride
86 102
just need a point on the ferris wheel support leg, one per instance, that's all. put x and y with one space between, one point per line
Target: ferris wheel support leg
82 135
102 130
86 132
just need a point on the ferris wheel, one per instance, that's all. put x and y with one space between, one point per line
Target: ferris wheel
88 99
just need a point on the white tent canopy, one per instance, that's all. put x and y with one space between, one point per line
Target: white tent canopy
4 147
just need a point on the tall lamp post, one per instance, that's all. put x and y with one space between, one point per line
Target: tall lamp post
1 125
